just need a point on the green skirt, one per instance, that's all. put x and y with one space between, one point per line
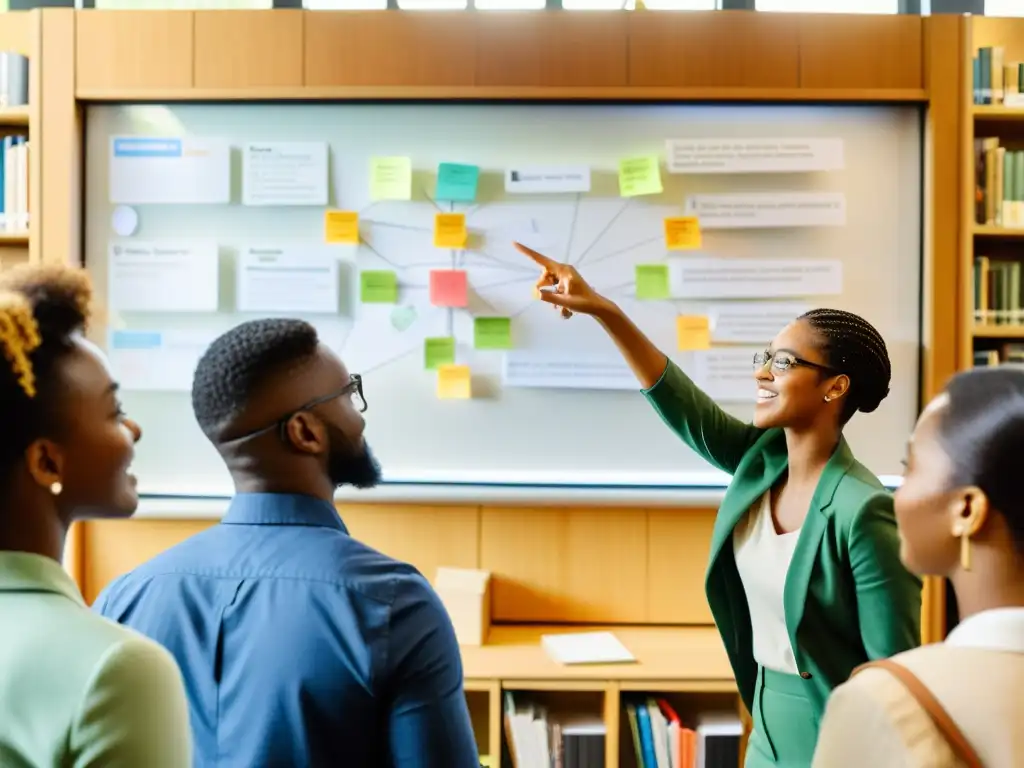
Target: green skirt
786 722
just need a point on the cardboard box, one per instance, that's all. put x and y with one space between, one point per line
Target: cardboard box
466 594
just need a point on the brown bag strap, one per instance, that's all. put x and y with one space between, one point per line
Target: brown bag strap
949 730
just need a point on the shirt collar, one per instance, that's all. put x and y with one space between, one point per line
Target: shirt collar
27 572
998 629
282 509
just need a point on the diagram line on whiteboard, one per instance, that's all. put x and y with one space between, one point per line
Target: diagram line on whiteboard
379 256
572 229
389 361
433 201
601 234
621 251
506 264
451 321
396 225
503 283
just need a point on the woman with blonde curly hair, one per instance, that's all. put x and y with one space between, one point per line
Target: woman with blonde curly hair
75 689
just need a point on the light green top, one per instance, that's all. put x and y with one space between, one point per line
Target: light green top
77 690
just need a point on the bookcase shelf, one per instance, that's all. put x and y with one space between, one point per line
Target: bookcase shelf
981 331
986 230
998 113
14 116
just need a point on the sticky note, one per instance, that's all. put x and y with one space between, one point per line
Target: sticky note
693 332
449 288
450 230
492 333
390 178
682 233
454 382
438 351
341 227
402 318
640 176
456 183
378 286
652 281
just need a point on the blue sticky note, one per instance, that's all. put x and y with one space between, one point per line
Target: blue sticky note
456 183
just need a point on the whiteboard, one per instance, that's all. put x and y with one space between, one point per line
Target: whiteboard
509 435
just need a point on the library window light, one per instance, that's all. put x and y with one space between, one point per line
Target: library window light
181 5
432 5
509 5
651 5
1004 7
344 5
829 6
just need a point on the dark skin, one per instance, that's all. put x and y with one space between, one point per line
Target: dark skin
265 463
799 406
88 456
933 514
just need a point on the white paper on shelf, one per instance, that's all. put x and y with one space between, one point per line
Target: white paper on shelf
586 648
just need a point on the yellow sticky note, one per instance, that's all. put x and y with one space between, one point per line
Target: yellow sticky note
450 230
453 382
693 332
640 176
341 227
390 178
682 233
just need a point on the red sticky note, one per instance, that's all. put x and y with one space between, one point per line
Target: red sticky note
448 288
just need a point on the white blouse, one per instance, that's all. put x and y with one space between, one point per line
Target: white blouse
762 558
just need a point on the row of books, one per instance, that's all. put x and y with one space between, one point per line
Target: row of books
997 291
1007 353
13 79
998 184
997 81
538 737
14 203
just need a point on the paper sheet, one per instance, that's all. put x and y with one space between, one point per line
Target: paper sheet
163 277
739 155
702 278
190 171
287 279
768 210
282 173
587 648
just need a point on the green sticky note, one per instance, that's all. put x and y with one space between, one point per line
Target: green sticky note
390 178
438 351
456 183
640 176
652 281
378 286
492 333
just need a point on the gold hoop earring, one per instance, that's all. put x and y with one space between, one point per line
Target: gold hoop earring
56 488
965 550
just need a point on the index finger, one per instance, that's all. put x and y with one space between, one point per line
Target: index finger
540 258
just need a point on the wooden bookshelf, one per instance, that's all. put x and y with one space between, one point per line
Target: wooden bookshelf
998 331
986 230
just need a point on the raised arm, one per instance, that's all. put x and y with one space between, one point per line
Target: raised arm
134 712
429 725
721 439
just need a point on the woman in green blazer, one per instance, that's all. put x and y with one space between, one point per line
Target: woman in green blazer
76 691
804 579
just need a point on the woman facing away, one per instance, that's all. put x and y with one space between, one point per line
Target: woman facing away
75 689
804 579
961 515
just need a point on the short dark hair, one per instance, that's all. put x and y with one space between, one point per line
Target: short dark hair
851 345
41 308
981 430
239 362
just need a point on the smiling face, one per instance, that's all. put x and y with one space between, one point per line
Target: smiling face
793 381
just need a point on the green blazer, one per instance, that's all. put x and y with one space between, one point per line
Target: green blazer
76 690
848 599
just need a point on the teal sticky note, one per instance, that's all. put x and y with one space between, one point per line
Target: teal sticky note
456 183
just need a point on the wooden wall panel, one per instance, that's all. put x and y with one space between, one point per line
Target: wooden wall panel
678 544
575 565
426 537
390 49
249 49
565 49
19 32
990 30
860 51
718 49
123 50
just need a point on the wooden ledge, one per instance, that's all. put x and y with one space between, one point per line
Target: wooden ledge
517 93
685 659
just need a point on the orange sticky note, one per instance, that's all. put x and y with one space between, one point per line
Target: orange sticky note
454 382
693 332
682 233
450 230
341 227
449 288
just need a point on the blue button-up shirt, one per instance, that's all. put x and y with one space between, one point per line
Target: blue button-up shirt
300 646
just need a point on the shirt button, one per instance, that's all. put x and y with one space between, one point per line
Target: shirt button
805 675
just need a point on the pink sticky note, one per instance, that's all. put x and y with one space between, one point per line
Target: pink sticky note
448 288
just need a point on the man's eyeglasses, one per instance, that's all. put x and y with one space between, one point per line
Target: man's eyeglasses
353 389
785 361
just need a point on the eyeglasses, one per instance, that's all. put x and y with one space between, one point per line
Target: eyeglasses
353 389
781 362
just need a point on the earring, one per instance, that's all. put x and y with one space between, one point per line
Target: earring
828 399
56 488
965 549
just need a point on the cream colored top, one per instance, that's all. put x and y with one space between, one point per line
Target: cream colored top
762 559
977 675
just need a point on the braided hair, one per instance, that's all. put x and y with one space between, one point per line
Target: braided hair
851 345
41 308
